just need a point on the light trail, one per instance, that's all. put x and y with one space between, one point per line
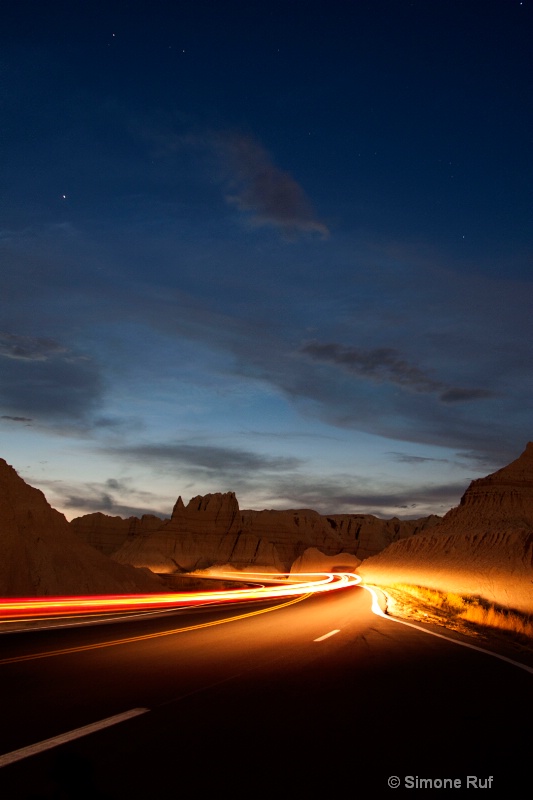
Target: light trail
146 636
40 608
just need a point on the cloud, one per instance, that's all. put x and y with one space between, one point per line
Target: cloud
107 504
335 496
386 365
456 395
44 379
255 185
405 458
102 502
29 348
112 497
382 364
342 493
120 486
205 457
27 420
271 195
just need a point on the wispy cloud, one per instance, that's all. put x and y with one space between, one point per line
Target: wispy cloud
29 348
106 503
458 395
113 497
379 364
334 495
210 458
46 379
386 365
406 458
269 194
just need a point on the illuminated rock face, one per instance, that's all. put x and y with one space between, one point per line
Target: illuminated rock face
313 560
503 498
212 530
482 547
40 556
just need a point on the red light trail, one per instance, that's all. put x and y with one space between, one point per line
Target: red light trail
33 608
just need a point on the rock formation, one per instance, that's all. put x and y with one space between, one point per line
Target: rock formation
368 535
107 533
482 547
313 560
212 530
40 555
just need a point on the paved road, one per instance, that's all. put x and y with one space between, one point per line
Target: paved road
258 705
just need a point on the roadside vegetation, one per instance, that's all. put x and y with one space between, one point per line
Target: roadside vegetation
451 609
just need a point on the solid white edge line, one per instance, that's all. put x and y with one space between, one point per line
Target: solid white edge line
327 635
48 744
376 608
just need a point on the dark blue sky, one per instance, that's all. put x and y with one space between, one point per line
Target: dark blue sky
279 248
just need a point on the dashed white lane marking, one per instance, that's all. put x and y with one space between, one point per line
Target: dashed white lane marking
327 635
48 744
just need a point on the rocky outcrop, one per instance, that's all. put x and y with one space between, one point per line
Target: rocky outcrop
504 498
107 533
40 556
211 530
313 560
482 547
195 537
366 535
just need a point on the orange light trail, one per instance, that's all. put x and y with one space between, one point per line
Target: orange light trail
146 636
31 608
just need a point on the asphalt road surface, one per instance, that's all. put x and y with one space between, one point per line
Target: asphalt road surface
317 696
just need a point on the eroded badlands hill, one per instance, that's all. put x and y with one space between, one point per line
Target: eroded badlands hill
41 556
108 533
482 547
212 530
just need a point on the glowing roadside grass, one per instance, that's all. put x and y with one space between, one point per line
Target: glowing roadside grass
286 585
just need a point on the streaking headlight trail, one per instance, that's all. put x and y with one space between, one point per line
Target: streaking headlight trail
287 585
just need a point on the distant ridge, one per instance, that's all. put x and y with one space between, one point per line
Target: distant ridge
211 530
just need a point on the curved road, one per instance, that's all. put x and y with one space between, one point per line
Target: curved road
311 695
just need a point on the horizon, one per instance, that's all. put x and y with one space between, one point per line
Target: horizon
167 515
282 250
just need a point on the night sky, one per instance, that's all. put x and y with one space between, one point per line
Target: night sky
276 248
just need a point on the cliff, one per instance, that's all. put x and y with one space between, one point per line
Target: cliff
482 547
212 530
107 533
40 556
